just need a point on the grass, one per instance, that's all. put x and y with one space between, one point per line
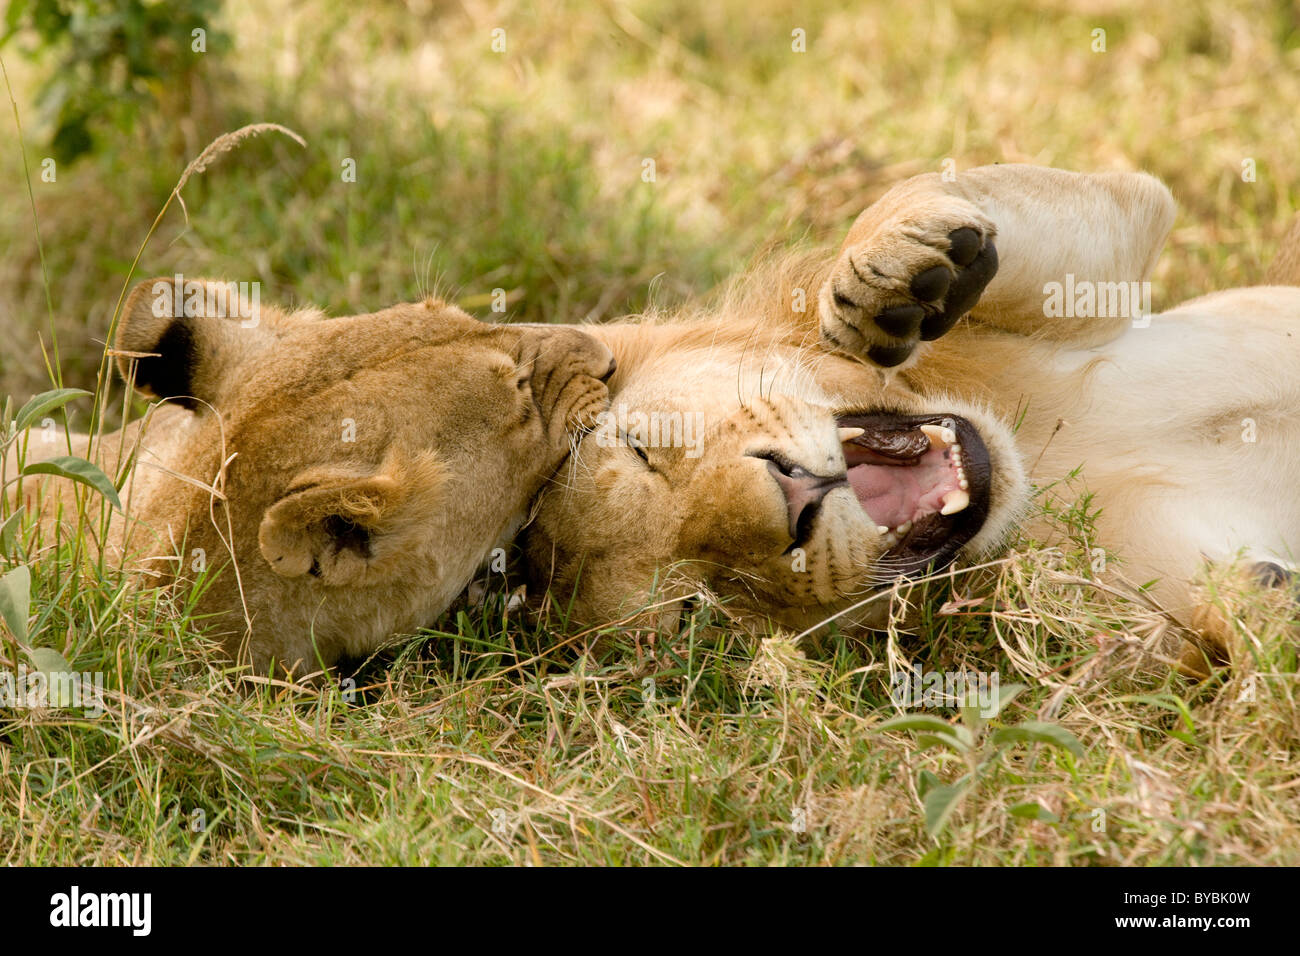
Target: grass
497 739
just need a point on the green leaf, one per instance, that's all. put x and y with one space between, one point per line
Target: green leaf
920 722
9 532
949 740
940 803
1037 732
925 782
1033 810
49 660
80 470
1006 695
45 402
16 600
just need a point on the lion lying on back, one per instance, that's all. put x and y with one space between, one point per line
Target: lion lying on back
895 425
358 470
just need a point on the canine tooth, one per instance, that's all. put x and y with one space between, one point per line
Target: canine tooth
955 501
848 434
903 528
939 436
882 529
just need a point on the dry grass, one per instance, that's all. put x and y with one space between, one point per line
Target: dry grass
491 739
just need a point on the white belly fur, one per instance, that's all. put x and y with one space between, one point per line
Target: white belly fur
1173 406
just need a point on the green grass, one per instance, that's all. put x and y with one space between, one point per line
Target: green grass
494 739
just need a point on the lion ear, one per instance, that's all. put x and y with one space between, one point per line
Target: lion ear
182 338
338 525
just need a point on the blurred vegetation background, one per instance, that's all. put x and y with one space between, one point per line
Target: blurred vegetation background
522 168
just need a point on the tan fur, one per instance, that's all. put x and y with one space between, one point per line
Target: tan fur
1152 411
363 467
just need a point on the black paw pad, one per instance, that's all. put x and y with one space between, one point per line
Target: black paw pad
932 284
900 321
887 356
965 245
964 292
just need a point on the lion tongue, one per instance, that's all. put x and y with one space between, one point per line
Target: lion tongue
894 495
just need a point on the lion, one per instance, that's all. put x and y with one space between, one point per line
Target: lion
838 421
353 472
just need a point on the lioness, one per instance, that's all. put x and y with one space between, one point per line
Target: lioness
357 469
796 460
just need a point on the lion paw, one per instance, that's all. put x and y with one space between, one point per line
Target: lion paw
909 283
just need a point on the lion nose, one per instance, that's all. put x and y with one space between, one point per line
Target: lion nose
804 492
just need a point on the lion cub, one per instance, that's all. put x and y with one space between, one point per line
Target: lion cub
351 474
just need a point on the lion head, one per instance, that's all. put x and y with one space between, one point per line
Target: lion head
357 470
790 482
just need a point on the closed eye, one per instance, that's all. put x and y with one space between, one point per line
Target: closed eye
637 447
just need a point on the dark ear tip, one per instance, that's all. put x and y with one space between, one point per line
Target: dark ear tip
168 373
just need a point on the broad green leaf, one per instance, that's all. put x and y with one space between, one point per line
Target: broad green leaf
49 660
925 782
1006 694
1033 810
940 803
9 532
51 663
949 740
16 600
972 716
1037 732
45 402
77 469
921 722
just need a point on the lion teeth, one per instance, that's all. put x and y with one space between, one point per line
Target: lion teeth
940 437
848 434
955 501
882 529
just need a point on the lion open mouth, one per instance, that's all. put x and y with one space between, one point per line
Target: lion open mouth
923 480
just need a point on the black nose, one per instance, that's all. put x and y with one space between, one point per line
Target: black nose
804 492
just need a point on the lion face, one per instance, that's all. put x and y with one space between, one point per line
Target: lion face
364 467
760 486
